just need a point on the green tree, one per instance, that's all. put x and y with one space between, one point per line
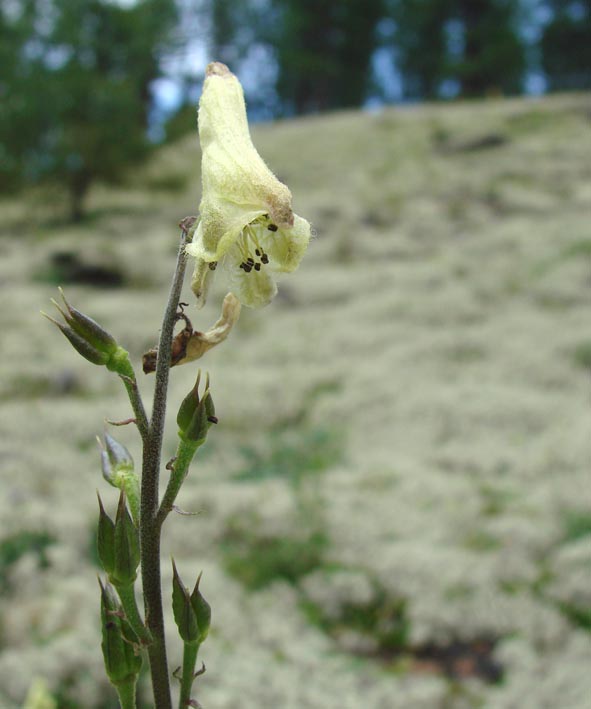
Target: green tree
474 42
493 58
421 47
323 50
20 114
80 97
566 45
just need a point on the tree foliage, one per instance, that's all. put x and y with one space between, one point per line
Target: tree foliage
77 96
421 46
566 45
493 57
323 50
473 43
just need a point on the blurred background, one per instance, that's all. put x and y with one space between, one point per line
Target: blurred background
395 509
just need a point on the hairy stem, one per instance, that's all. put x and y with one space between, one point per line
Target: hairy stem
149 528
137 404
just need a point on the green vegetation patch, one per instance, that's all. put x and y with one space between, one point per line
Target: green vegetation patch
257 560
576 524
12 548
383 618
582 354
581 617
293 455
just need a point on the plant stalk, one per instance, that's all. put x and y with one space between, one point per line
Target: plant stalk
129 604
184 456
137 404
126 693
189 659
149 528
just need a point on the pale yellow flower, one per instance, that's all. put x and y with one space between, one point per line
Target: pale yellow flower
246 224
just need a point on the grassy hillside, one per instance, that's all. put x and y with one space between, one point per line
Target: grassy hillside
395 509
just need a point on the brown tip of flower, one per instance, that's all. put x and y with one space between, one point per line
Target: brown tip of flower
217 69
281 214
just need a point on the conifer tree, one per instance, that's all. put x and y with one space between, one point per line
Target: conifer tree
78 92
566 45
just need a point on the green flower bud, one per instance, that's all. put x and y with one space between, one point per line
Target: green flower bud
196 414
106 539
118 471
119 643
189 405
127 546
84 348
90 340
182 608
209 406
87 328
202 610
196 431
116 460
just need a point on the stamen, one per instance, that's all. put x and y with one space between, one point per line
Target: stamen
213 265
272 227
257 267
264 258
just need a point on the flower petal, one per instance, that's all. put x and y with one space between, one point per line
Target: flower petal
285 247
201 280
221 224
231 165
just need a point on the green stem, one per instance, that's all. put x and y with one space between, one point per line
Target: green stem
129 603
185 453
189 660
149 528
136 402
126 693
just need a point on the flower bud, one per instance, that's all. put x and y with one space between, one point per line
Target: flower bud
202 610
182 608
116 460
86 327
119 643
106 540
126 545
189 405
196 414
91 340
118 471
84 348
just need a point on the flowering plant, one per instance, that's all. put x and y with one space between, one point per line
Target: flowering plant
246 226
